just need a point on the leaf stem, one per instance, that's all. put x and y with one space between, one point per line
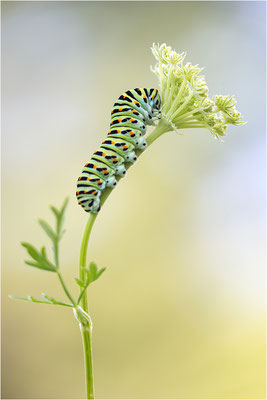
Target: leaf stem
58 303
65 287
82 293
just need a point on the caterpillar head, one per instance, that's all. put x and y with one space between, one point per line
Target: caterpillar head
155 99
155 103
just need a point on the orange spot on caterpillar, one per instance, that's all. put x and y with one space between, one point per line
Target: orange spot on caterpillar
119 120
125 146
120 109
88 179
118 131
132 119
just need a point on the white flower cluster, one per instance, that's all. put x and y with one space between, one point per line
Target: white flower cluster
185 101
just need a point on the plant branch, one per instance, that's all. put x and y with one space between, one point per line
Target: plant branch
65 288
33 300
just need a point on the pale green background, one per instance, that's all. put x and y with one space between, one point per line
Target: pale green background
180 312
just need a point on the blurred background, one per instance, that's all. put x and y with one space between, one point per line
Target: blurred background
180 311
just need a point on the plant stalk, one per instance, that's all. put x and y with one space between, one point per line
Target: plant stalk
86 329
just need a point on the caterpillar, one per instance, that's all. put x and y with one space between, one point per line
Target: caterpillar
130 114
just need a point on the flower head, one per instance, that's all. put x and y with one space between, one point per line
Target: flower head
185 101
166 55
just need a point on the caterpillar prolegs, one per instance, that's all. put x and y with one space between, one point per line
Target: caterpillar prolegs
130 114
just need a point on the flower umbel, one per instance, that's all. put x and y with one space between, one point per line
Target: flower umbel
185 101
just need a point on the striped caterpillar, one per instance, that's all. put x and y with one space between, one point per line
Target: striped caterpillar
130 114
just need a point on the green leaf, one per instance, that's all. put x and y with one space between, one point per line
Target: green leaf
62 215
92 274
100 272
92 271
33 252
40 257
55 211
45 259
59 214
46 267
48 230
43 252
80 283
64 205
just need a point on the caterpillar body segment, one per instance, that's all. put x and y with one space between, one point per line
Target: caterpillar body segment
105 169
130 122
124 149
108 156
131 112
96 183
99 169
146 101
131 136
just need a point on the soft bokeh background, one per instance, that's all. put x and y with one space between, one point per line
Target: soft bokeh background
180 312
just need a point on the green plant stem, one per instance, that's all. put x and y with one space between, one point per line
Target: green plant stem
59 273
182 106
86 329
65 288
86 332
173 105
83 254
